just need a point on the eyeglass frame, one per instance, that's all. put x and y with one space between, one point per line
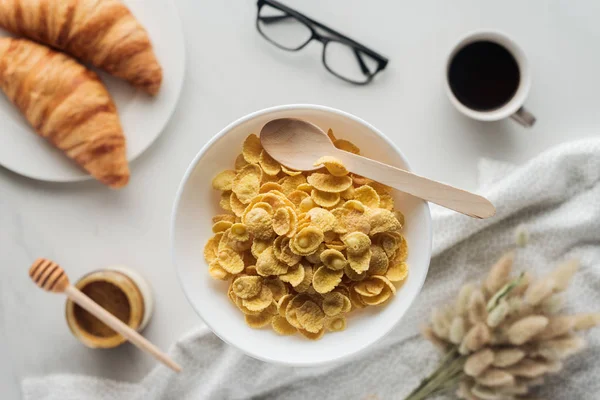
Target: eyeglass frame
310 23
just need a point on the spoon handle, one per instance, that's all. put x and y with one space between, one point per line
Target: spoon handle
439 193
117 325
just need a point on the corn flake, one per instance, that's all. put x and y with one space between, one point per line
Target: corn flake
334 303
297 196
386 202
224 201
258 321
290 172
277 287
223 180
378 265
267 264
281 326
331 135
211 248
236 205
353 275
346 146
217 272
251 149
329 183
267 187
282 251
246 287
230 261
305 187
223 217
262 300
315 258
291 183
325 199
307 204
357 243
246 183
307 281
258 246
397 272
310 335
310 316
383 221
325 279
221 226
239 232
307 241
268 164
336 324
240 162
282 221
367 196
333 259
259 223
334 166
294 276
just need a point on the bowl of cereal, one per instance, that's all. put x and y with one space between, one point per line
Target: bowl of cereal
298 268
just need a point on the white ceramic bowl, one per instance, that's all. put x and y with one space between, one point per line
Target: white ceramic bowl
196 203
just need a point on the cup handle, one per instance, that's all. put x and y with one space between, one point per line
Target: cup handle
524 117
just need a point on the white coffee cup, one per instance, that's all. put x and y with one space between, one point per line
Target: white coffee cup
512 108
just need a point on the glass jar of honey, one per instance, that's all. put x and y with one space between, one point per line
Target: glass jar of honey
122 292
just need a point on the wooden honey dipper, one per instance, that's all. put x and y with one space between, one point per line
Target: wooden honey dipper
51 277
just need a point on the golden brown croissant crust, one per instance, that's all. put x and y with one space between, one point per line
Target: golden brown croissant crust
103 33
68 105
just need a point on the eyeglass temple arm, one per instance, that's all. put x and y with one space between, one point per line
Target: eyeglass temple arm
274 18
361 62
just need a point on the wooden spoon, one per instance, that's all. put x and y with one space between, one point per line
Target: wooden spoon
298 144
50 276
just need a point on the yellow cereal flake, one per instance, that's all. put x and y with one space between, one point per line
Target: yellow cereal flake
239 232
330 236
230 261
336 324
282 327
223 217
356 300
325 279
402 253
325 199
297 196
321 218
268 265
367 196
259 223
246 183
258 321
333 259
282 221
355 206
262 300
334 166
397 272
294 276
258 246
283 252
305 187
221 226
399 217
383 221
290 172
307 241
250 270
336 245
307 204
358 180
360 262
386 281
266 178
378 265
261 204
346 146
236 205
268 164
224 201
277 287
307 281
331 135
310 335
357 243
334 303
223 180
369 287
291 183
329 183
353 275
283 303
267 187
217 272
246 287
380 188
251 149
315 258
348 194
386 202
211 248
310 316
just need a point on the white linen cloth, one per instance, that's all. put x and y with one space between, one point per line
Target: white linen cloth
557 197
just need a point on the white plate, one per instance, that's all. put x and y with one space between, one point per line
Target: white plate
143 117
196 203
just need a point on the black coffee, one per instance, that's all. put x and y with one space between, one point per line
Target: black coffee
484 76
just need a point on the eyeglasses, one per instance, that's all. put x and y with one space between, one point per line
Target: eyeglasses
290 30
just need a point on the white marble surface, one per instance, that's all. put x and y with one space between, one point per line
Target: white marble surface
232 71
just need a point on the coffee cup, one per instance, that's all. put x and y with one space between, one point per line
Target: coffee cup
488 78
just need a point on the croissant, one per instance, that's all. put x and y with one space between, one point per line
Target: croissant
103 33
68 105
